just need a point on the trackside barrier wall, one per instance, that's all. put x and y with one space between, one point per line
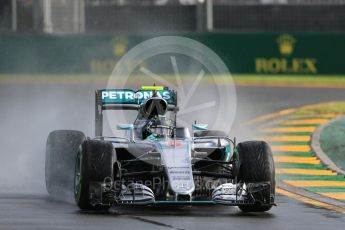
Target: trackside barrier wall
247 53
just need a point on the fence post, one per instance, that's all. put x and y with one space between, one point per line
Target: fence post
47 17
14 15
209 15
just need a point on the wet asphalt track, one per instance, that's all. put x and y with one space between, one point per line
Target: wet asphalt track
29 112
37 212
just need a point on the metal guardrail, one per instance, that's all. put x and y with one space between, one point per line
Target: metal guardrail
56 16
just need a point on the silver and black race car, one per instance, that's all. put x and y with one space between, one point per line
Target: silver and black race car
157 162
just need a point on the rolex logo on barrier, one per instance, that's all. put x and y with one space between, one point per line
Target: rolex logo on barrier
286 62
286 44
119 46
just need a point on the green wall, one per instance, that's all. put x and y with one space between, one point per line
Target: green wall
263 53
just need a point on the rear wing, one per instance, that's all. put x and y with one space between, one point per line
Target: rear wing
127 99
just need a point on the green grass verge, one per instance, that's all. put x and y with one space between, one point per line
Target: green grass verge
309 177
325 189
332 141
240 79
299 166
337 107
290 79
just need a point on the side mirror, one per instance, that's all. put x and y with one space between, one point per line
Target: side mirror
129 130
125 126
199 127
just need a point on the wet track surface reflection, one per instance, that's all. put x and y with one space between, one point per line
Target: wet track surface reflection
39 212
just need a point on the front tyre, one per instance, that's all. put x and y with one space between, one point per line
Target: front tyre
257 166
94 163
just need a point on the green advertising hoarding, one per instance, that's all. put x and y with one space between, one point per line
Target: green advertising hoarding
250 53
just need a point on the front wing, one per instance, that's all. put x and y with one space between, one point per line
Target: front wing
138 194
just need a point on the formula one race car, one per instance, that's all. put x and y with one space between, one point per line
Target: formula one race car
157 162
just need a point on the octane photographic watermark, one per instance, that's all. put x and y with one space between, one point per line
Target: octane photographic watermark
160 184
206 92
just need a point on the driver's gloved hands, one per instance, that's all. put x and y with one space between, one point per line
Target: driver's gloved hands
146 132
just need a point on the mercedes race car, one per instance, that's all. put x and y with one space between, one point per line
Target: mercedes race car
156 161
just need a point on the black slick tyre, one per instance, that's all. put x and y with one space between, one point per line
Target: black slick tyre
257 165
94 163
61 150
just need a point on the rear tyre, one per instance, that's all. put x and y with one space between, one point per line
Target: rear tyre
95 162
61 150
257 166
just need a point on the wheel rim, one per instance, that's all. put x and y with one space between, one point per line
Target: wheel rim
77 176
